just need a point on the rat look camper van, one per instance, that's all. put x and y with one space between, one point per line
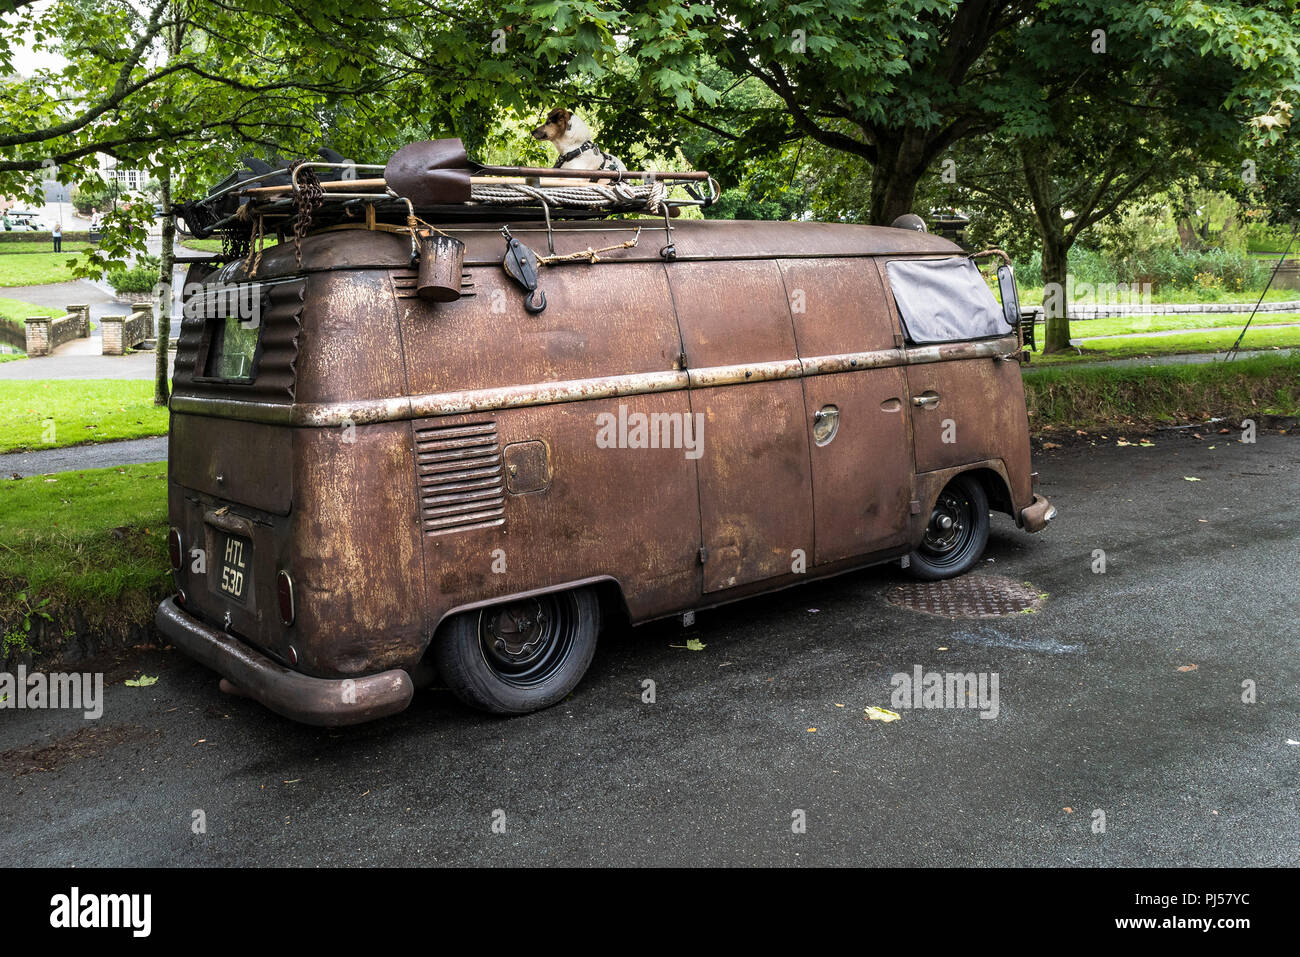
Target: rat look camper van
441 440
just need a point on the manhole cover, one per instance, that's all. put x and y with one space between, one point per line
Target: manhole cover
967 596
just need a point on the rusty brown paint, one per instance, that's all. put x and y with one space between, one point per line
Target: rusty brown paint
407 459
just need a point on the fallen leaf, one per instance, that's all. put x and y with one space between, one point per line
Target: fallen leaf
1190 478
1191 667
143 681
811 730
881 714
692 644
1051 445
1068 810
1147 444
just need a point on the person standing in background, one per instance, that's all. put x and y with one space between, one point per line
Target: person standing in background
58 238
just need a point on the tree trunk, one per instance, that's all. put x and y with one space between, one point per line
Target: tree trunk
1056 249
162 386
1035 159
900 164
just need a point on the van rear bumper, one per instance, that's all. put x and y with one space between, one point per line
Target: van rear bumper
320 701
1034 517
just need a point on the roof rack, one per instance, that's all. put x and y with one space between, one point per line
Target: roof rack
428 181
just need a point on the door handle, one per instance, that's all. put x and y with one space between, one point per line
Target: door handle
826 422
925 401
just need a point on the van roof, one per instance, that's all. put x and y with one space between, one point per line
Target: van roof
390 247
758 239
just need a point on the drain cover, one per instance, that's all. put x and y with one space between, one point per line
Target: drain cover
967 596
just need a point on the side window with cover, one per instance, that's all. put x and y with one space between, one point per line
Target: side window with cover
944 300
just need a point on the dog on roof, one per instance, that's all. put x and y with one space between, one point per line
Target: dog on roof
571 138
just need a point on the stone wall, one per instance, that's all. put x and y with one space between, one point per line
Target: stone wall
46 333
125 332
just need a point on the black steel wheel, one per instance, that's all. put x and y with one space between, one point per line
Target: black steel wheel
956 534
521 655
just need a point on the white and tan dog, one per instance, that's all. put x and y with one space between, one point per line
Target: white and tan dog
571 138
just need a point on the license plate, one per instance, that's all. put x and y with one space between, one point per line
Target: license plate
236 560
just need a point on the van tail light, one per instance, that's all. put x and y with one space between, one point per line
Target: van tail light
284 592
174 550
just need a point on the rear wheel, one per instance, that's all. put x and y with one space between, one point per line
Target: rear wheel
522 655
957 533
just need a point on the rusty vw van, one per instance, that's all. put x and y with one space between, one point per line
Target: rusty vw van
368 487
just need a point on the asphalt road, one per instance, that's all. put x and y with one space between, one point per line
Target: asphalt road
98 455
1099 711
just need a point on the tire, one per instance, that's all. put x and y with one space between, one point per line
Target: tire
954 550
519 656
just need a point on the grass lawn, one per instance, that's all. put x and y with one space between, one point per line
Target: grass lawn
95 541
76 411
1062 397
35 269
44 246
203 245
1123 325
1258 337
15 311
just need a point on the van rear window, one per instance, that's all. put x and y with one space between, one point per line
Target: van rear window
231 350
232 316
944 300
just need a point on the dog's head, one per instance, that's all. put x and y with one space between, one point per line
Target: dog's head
556 125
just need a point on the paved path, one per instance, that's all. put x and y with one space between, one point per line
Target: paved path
1194 358
1080 311
1100 709
98 456
139 365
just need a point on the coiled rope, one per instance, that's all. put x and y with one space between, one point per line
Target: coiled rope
649 196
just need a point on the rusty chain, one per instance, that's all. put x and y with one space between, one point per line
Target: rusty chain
308 198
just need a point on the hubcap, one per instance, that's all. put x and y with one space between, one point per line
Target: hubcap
948 524
525 642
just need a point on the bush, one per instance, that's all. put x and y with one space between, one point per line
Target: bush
1187 269
1085 265
141 277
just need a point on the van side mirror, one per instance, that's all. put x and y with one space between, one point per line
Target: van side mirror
1010 298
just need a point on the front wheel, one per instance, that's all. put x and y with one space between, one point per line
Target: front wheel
957 533
522 655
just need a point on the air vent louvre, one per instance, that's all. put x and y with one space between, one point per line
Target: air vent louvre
460 474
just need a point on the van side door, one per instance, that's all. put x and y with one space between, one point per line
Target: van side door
854 407
755 483
967 408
